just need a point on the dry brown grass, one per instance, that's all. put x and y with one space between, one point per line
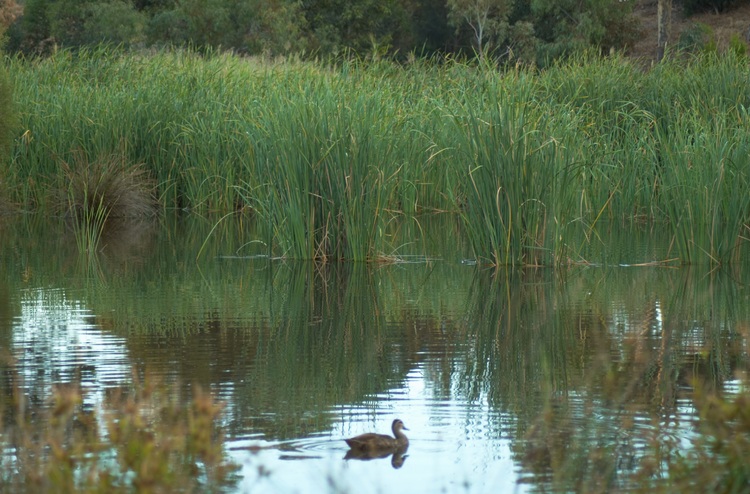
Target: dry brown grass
105 188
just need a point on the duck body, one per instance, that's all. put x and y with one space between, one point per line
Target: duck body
372 442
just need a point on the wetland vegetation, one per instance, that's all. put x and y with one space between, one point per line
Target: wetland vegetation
354 160
327 155
147 350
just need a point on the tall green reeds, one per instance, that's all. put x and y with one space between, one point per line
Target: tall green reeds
326 156
7 114
513 178
8 122
328 171
704 174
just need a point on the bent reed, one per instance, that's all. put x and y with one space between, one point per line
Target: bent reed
327 155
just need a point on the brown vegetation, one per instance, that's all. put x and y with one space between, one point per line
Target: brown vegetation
106 188
9 12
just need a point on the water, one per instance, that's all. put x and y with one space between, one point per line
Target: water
509 381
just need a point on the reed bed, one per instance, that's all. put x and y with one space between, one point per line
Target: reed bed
327 155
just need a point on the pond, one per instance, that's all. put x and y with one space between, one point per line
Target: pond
508 381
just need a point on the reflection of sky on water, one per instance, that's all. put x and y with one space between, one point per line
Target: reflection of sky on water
454 447
459 443
55 339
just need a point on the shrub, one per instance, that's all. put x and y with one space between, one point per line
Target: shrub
697 37
138 440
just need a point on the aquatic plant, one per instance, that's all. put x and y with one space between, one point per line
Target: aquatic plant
326 156
8 122
8 115
513 178
703 175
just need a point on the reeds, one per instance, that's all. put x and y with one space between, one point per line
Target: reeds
516 174
326 156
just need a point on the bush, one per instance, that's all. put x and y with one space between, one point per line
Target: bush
697 37
138 440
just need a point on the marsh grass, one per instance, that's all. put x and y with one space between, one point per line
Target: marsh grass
704 168
8 114
326 155
517 179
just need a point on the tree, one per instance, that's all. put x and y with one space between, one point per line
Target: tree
360 25
66 18
115 22
488 19
9 12
664 23
34 37
271 27
566 26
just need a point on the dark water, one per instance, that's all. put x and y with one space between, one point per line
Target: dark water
509 381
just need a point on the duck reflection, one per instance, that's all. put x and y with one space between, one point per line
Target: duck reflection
397 461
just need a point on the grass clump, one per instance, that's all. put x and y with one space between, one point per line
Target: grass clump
137 440
96 193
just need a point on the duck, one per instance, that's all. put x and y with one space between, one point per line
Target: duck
374 443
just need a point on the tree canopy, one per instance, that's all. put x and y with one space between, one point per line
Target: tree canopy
534 31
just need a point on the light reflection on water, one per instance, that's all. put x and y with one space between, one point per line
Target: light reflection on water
508 383
55 339
454 447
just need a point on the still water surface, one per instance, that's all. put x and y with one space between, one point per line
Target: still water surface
508 381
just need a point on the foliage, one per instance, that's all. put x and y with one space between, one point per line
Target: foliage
95 194
107 183
568 26
513 178
114 22
737 47
514 29
691 7
696 37
8 126
715 460
9 11
150 444
67 21
488 20
35 31
338 25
